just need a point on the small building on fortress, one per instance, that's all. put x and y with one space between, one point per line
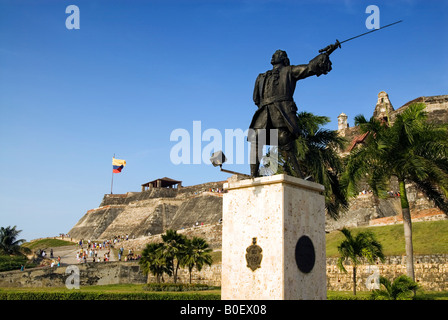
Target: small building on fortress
162 183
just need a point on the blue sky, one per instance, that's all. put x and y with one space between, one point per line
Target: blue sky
137 70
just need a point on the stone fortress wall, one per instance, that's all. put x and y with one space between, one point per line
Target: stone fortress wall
365 209
139 214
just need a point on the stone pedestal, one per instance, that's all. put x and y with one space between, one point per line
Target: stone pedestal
273 240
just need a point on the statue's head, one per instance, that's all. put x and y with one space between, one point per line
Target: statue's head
280 57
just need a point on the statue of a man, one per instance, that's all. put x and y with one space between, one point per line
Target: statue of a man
273 94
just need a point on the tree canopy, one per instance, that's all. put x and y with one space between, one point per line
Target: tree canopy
9 244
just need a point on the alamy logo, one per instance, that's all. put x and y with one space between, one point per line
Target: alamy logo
72 21
197 147
373 21
72 281
373 280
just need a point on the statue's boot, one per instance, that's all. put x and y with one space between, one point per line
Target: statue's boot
254 170
254 160
289 154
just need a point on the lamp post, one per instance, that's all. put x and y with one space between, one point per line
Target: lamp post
218 158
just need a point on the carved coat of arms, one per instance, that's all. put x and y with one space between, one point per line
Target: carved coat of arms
253 255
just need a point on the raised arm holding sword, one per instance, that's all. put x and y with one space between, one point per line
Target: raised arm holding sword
273 95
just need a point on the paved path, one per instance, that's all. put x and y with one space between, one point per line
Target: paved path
68 254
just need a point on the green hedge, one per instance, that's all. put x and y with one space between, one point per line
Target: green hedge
335 297
76 295
177 287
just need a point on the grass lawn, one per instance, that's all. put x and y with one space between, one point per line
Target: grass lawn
430 237
47 243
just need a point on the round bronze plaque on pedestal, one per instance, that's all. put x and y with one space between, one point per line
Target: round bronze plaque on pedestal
305 255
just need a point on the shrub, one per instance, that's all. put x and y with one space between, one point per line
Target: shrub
76 295
177 287
8 263
402 288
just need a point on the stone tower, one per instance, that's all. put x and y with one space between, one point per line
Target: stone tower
342 123
383 109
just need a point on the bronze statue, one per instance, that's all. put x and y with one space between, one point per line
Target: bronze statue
273 94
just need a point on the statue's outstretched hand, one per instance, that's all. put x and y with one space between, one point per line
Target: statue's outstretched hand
321 64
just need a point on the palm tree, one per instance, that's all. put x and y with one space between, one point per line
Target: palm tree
154 261
8 240
197 254
317 158
174 248
400 289
412 150
363 245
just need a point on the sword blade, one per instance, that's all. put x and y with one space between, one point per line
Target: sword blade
363 34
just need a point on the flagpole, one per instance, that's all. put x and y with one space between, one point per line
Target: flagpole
112 181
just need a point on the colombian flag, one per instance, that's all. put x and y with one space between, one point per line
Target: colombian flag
117 165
